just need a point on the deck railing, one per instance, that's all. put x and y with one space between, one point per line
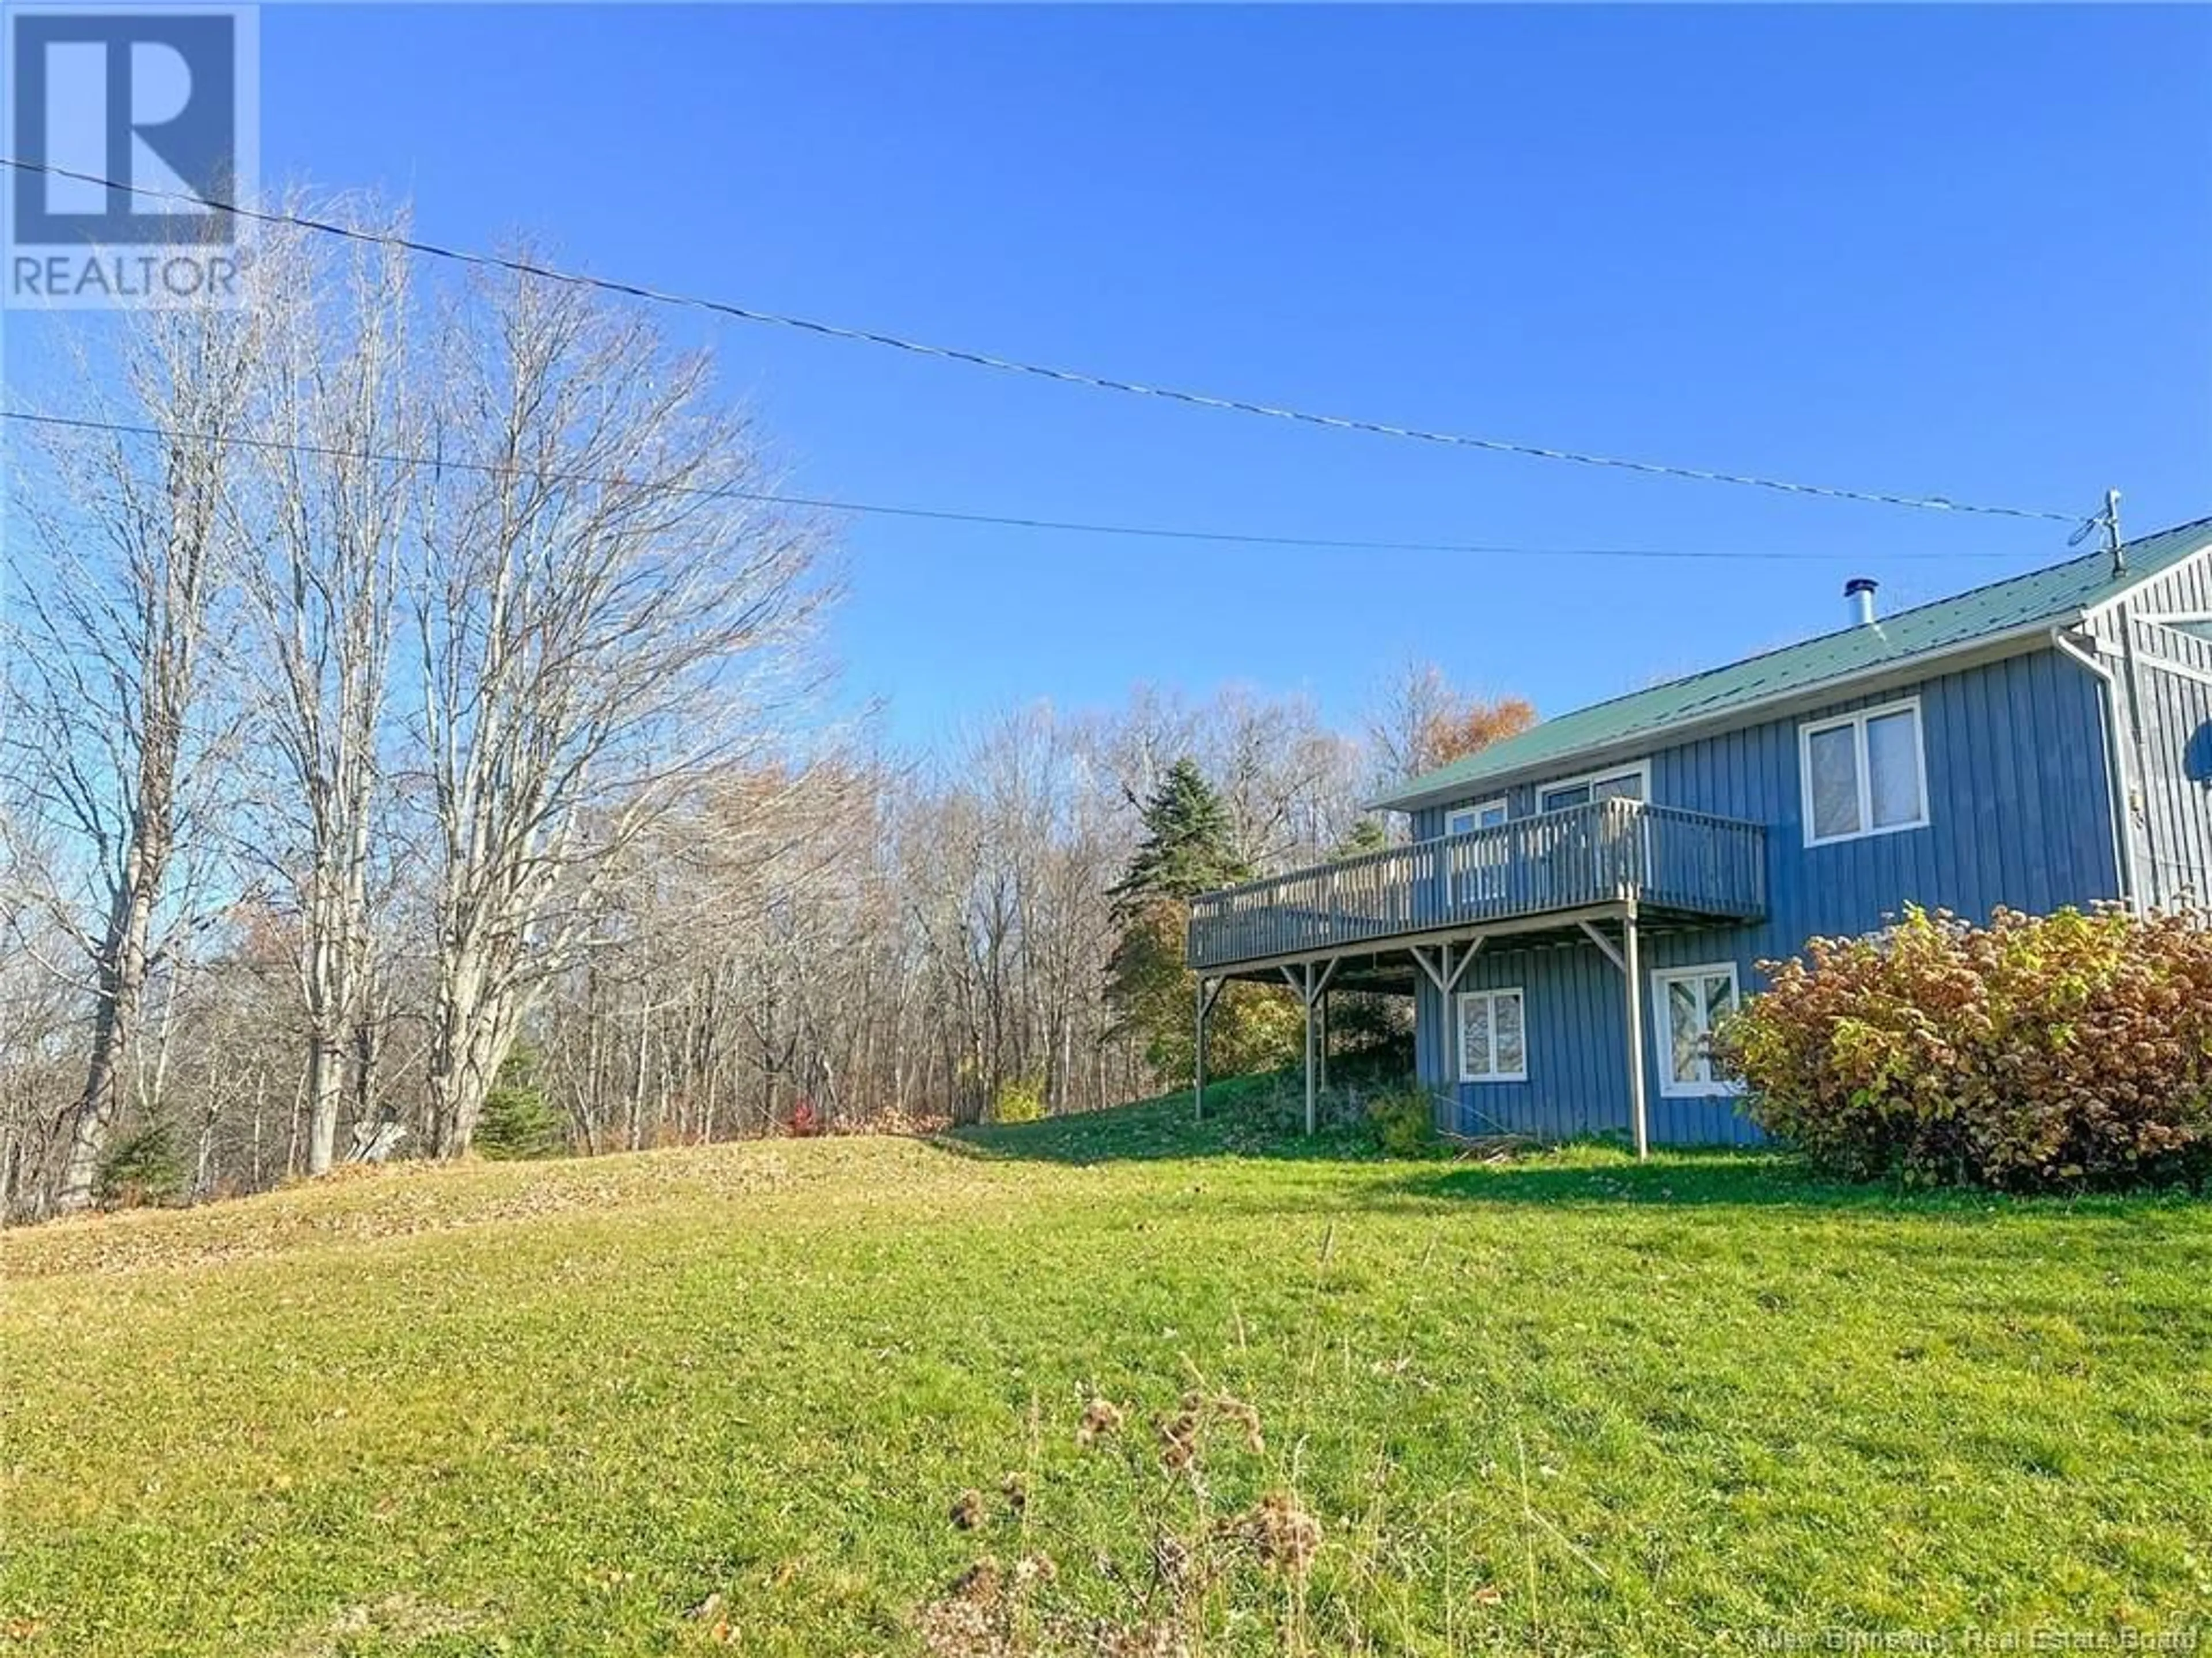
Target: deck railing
1607 852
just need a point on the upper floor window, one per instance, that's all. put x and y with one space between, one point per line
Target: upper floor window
1864 773
1484 814
1631 782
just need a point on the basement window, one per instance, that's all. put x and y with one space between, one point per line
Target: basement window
1493 1042
1864 773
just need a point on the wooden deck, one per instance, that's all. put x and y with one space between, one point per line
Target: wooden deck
1678 863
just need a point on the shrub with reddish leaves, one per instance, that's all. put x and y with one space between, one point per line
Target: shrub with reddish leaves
805 1124
2035 1054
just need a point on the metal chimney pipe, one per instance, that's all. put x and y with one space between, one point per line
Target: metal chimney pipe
1858 593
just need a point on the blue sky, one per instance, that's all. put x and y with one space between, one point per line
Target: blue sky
1965 252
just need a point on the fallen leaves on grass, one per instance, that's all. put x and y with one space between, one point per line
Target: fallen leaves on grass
408 1200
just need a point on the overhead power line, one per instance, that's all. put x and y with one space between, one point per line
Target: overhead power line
1013 365
946 513
1003 520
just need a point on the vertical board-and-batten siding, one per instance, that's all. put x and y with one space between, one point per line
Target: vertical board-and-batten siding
2020 816
2165 816
2184 590
2173 706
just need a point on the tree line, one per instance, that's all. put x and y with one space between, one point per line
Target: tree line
410 715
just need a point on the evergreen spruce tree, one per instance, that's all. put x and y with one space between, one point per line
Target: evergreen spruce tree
519 1122
1366 835
1189 844
1189 848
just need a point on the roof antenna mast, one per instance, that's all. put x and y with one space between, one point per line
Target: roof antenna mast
2111 520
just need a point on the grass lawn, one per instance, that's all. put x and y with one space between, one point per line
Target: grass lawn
725 1399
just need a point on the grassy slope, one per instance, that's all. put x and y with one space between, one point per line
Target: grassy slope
1568 1405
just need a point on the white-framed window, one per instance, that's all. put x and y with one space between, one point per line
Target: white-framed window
1477 871
1864 773
1483 814
1629 782
1690 1002
1493 1037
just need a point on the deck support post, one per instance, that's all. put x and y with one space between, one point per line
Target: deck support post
1445 974
1628 959
1631 970
1324 1040
1208 994
1310 981
1312 1099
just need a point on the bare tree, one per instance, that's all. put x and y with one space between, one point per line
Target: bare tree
1290 782
598 615
42 1027
117 712
328 514
1419 721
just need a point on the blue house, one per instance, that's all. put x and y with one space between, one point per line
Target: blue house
1578 905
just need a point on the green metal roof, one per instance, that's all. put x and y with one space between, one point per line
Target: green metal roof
2043 597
